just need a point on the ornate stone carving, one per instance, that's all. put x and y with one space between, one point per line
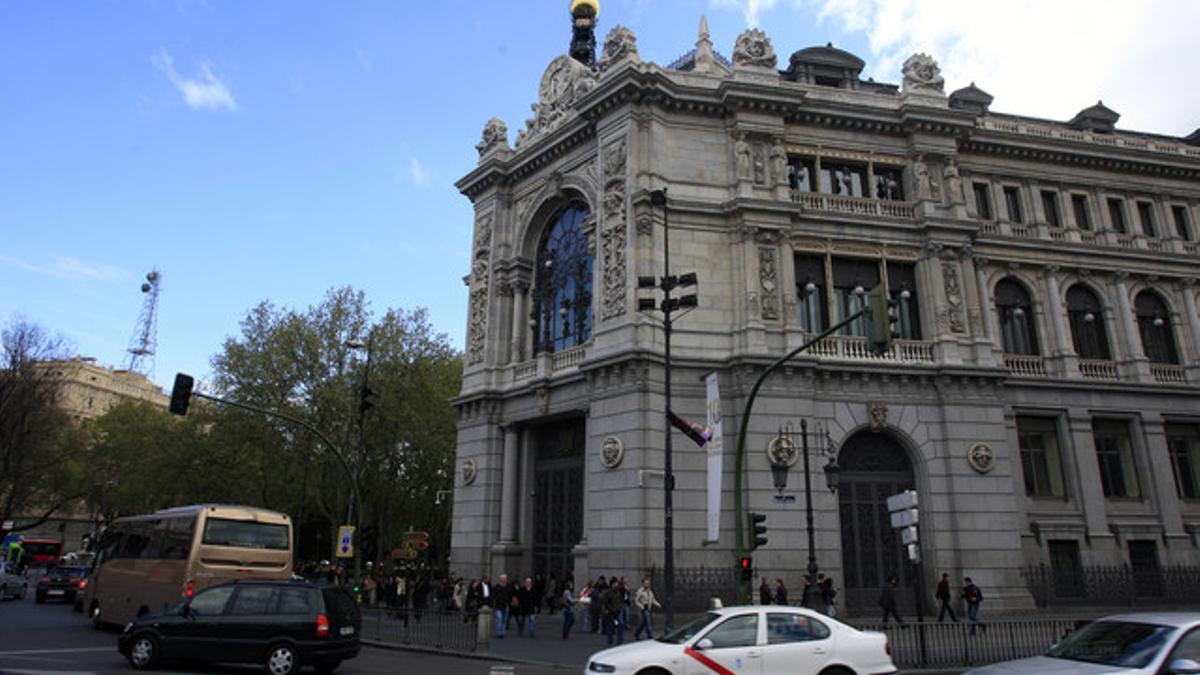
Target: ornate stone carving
564 82
741 152
954 188
954 297
778 156
483 234
981 457
753 49
612 451
782 451
922 75
752 304
612 232
922 179
469 471
645 223
760 164
477 331
768 279
619 44
877 413
495 134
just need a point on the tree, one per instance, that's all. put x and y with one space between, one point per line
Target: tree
40 449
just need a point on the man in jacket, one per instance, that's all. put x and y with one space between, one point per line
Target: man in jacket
644 601
502 597
610 607
887 601
527 608
974 598
943 598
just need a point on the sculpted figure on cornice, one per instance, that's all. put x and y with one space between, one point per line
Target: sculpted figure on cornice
495 134
921 178
620 44
741 149
779 162
922 75
564 82
753 48
760 164
954 188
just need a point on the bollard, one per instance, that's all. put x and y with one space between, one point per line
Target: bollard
483 630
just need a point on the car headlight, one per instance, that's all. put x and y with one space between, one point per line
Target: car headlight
597 667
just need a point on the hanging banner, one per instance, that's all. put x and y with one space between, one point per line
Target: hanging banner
715 447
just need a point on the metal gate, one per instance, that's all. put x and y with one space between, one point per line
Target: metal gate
874 467
558 496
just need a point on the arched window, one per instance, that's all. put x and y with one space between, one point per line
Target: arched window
1087 324
1154 324
562 294
1017 335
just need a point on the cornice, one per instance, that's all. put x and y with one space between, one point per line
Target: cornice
1068 153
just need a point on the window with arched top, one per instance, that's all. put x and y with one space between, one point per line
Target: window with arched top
1154 325
1015 311
562 293
1086 316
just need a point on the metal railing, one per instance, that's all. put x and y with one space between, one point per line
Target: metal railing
436 628
1113 585
696 586
956 645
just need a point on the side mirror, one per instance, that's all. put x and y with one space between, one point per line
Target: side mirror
704 644
1183 667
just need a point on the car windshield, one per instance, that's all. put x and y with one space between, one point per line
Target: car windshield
1126 644
67 572
689 629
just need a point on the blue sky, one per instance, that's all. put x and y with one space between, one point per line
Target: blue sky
272 150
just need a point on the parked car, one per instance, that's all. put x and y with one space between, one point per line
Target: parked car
12 584
1124 644
61 583
755 638
281 624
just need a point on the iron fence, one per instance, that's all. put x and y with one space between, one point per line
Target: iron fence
1176 585
434 628
695 586
954 645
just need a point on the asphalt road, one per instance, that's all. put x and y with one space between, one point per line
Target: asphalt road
50 639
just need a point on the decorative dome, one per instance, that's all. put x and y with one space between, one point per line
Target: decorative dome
1099 118
828 66
578 6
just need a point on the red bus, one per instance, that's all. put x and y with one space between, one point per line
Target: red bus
42 551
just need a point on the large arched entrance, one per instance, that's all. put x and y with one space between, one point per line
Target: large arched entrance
874 467
558 469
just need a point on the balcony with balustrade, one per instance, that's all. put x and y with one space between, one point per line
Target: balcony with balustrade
855 206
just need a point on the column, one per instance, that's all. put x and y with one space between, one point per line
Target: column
1064 353
985 298
1135 365
1160 479
509 499
1189 305
1087 474
520 322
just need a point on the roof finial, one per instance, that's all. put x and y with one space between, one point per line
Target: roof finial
706 61
583 31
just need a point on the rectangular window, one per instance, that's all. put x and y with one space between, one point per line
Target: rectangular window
1143 562
845 180
1116 215
1114 454
1037 437
1068 573
810 293
902 280
245 534
1050 206
983 200
888 183
1146 216
800 174
1012 201
1183 444
1079 204
848 276
1179 213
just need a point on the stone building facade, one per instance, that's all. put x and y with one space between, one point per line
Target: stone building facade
1042 399
87 390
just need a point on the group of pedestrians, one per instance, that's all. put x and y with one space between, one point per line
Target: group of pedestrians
601 606
815 595
970 594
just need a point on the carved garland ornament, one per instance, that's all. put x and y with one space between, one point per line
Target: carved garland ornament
954 298
478 283
612 234
768 279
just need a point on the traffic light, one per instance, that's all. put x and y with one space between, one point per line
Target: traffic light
181 393
883 320
758 530
364 399
746 565
694 430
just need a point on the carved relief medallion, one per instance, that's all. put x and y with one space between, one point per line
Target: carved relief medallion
612 451
469 470
981 457
877 414
782 450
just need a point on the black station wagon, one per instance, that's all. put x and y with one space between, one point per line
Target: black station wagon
280 624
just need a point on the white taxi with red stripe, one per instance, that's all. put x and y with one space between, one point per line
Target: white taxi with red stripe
753 640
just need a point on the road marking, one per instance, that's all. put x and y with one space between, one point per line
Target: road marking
709 663
57 651
11 671
501 670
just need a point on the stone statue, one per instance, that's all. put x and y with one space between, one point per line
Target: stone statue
495 133
760 164
564 82
620 44
954 191
741 150
922 75
779 165
921 178
753 49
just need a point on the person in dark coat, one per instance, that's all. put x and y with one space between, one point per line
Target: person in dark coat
810 597
827 594
527 608
598 590
764 593
943 598
780 593
887 601
501 597
611 604
974 598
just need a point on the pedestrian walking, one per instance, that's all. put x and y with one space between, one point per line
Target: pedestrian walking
598 590
781 597
887 600
645 602
585 601
828 593
810 597
610 605
502 598
526 604
974 598
568 607
764 593
943 597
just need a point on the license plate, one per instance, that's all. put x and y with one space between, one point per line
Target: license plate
55 593
347 630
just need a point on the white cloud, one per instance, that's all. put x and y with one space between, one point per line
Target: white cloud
1041 59
66 267
417 172
751 9
205 91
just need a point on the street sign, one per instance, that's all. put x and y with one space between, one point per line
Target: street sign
345 544
906 518
784 499
403 553
416 540
908 535
902 501
914 553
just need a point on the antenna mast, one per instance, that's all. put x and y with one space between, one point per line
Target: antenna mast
145 334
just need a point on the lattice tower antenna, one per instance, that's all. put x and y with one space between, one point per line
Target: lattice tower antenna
145 334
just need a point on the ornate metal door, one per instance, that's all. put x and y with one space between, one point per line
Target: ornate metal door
558 495
874 467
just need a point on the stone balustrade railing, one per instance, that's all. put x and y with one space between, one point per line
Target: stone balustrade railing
859 206
855 348
1113 140
1025 365
1166 373
1073 235
567 358
1097 369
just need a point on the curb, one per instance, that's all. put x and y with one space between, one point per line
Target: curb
478 656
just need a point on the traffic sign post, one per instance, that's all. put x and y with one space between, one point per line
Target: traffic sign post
904 516
345 542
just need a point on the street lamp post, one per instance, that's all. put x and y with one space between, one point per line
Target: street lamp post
364 404
659 198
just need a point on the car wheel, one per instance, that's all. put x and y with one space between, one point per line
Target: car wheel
282 660
653 671
327 666
143 651
837 670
